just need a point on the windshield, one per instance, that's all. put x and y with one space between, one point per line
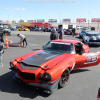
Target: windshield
63 47
92 34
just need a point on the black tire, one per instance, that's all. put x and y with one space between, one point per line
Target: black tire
19 29
24 29
64 78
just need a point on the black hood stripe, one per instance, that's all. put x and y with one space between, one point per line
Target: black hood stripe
40 58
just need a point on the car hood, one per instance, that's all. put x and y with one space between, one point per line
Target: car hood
46 59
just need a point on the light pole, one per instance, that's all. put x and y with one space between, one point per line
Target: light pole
59 18
8 17
35 17
74 17
1 16
88 23
20 17
26 16
89 15
98 25
46 17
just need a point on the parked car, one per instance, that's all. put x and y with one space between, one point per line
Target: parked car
23 29
13 28
89 27
92 38
83 32
93 28
49 30
37 29
50 67
7 31
69 32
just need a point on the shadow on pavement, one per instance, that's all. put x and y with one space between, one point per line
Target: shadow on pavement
78 37
79 71
35 49
9 85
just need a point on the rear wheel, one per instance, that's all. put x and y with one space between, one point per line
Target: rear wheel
64 78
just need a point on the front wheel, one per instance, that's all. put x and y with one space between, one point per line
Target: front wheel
64 78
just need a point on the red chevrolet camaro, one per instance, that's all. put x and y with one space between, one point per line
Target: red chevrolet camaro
50 67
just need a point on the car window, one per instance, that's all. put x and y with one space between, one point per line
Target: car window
60 47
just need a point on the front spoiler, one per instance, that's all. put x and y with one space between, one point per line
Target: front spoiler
47 88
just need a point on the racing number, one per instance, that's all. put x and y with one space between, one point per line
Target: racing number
86 60
91 58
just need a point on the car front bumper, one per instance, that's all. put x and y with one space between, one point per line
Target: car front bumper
46 87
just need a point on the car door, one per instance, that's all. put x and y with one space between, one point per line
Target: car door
86 59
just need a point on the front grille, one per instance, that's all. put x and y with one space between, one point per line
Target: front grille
27 76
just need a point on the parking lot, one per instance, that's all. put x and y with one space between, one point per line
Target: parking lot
83 83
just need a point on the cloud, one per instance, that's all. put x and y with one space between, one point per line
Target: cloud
26 14
7 8
17 8
23 9
12 10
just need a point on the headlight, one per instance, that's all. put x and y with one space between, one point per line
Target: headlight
11 65
47 76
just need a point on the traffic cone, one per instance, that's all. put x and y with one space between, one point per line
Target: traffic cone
7 46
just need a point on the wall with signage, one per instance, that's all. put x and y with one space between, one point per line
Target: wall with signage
52 20
66 20
95 20
30 20
40 20
81 20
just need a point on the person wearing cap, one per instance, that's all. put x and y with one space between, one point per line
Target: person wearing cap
22 39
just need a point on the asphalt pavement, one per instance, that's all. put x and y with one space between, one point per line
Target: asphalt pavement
83 83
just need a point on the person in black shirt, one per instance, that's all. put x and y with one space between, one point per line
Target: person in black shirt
60 33
73 31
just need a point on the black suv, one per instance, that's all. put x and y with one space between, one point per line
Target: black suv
93 28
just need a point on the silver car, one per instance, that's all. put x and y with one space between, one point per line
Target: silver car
83 32
91 38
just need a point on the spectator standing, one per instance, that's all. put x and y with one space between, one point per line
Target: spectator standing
44 29
22 39
73 31
54 35
2 38
41 29
30 29
1 53
60 33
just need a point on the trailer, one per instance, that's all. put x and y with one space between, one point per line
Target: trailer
36 24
